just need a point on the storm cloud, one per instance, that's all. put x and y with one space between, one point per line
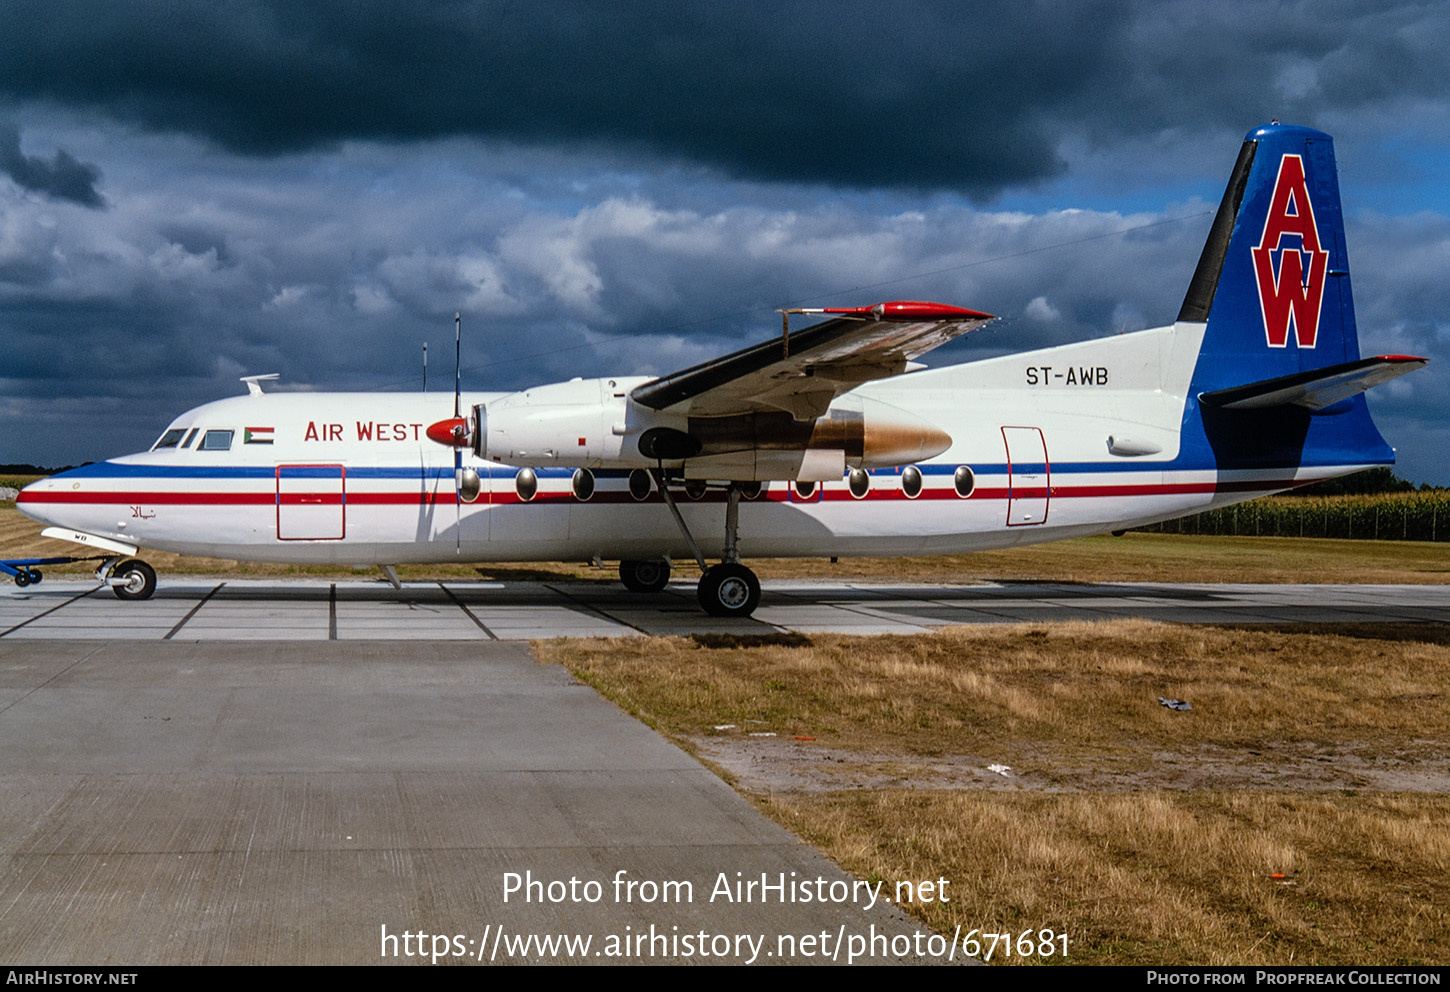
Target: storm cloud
866 94
62 178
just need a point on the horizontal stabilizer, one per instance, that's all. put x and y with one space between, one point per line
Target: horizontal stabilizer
1317 388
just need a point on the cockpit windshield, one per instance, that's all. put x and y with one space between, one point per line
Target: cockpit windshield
182 437
170 439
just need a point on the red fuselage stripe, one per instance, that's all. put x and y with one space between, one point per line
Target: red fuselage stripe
334 498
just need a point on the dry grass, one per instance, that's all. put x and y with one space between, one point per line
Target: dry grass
1139 557
1161 877
1081 692
1084 838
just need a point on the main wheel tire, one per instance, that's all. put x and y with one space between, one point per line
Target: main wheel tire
22 578
140 580
729 590
651 575
35 576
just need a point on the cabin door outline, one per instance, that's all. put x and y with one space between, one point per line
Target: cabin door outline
311 502
1029 476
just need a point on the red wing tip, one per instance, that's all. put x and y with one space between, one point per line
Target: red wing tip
1401 358
912 310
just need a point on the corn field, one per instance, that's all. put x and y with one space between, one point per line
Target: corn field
1416 516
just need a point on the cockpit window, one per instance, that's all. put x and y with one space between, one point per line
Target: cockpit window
190 436
169 439
216 441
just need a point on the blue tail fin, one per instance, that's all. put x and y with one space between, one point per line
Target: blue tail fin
1278 378
1273 282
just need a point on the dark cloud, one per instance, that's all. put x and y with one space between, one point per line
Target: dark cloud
863 94
835 93
62 178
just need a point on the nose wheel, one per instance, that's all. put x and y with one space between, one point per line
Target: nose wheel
133 579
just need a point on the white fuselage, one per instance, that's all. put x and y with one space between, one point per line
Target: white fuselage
1060 443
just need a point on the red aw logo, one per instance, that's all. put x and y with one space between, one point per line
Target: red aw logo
1288 296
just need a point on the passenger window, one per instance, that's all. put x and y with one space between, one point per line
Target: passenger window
911 481
216 441
526 484
965 481
169 439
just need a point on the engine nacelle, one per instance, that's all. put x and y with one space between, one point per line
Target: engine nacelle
592 424
577 423
856 432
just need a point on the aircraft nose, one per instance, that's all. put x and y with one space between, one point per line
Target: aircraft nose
29 499
42 501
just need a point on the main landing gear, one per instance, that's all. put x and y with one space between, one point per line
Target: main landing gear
728 589
645 576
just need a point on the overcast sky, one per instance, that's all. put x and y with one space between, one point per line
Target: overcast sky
191 193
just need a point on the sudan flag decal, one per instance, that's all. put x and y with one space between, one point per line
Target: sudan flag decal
257 435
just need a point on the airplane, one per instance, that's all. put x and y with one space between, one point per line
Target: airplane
829 441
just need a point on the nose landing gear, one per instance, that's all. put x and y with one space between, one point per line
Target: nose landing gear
131 578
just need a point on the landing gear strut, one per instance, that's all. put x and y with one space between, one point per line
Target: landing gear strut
728 589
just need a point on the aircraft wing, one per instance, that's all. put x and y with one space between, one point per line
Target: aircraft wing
803 372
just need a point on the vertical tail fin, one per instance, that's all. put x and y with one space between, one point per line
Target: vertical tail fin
1278 382
1273 281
